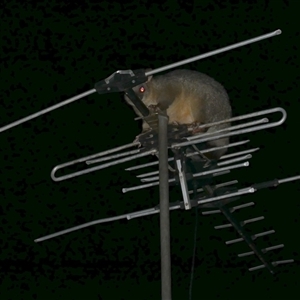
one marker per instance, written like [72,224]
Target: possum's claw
[153,108]
[175,123]
[136,140]
[142,136]
[175,126]
[194,127]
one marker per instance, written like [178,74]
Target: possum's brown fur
[187,97]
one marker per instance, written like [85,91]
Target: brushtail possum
[187,97]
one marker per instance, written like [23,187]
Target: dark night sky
[52,52]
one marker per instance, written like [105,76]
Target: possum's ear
[149,77]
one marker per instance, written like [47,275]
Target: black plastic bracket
[120,81]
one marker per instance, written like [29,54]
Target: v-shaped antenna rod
[123,80]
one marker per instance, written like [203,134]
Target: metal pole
[164,208]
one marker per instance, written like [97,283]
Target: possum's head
[140,90]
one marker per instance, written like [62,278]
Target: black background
[52,52]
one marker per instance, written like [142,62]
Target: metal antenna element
[115,81]
[211,53]
[164,204]
[46,110]
[212,136]
[210,196]
[173,206]
[188,141]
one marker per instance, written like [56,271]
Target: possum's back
[188,96]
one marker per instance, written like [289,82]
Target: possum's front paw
[175,126]
[153,108]
[195,127]
[146,134]
[137,140]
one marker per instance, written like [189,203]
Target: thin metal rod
[65,231]
[265,250]
[96,168]
[218,185]
[148,174]
[272,248]
[238,193]
[275,264]
[234,160]
[215,135]
[191,154]
[239,153]
[46,110]
[226,162]
[164,208]
[262,234]
[245,254]
[231,128]
[245,164]
[233,209]
[252,220]
[150,211]
[227,48]
[146,165]
[204,151]
[287,261]
[289,179]
[93,161]
[143,186]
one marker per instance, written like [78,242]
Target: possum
[187,97]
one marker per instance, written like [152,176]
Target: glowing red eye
[142,89]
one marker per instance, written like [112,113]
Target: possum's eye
[142,89]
